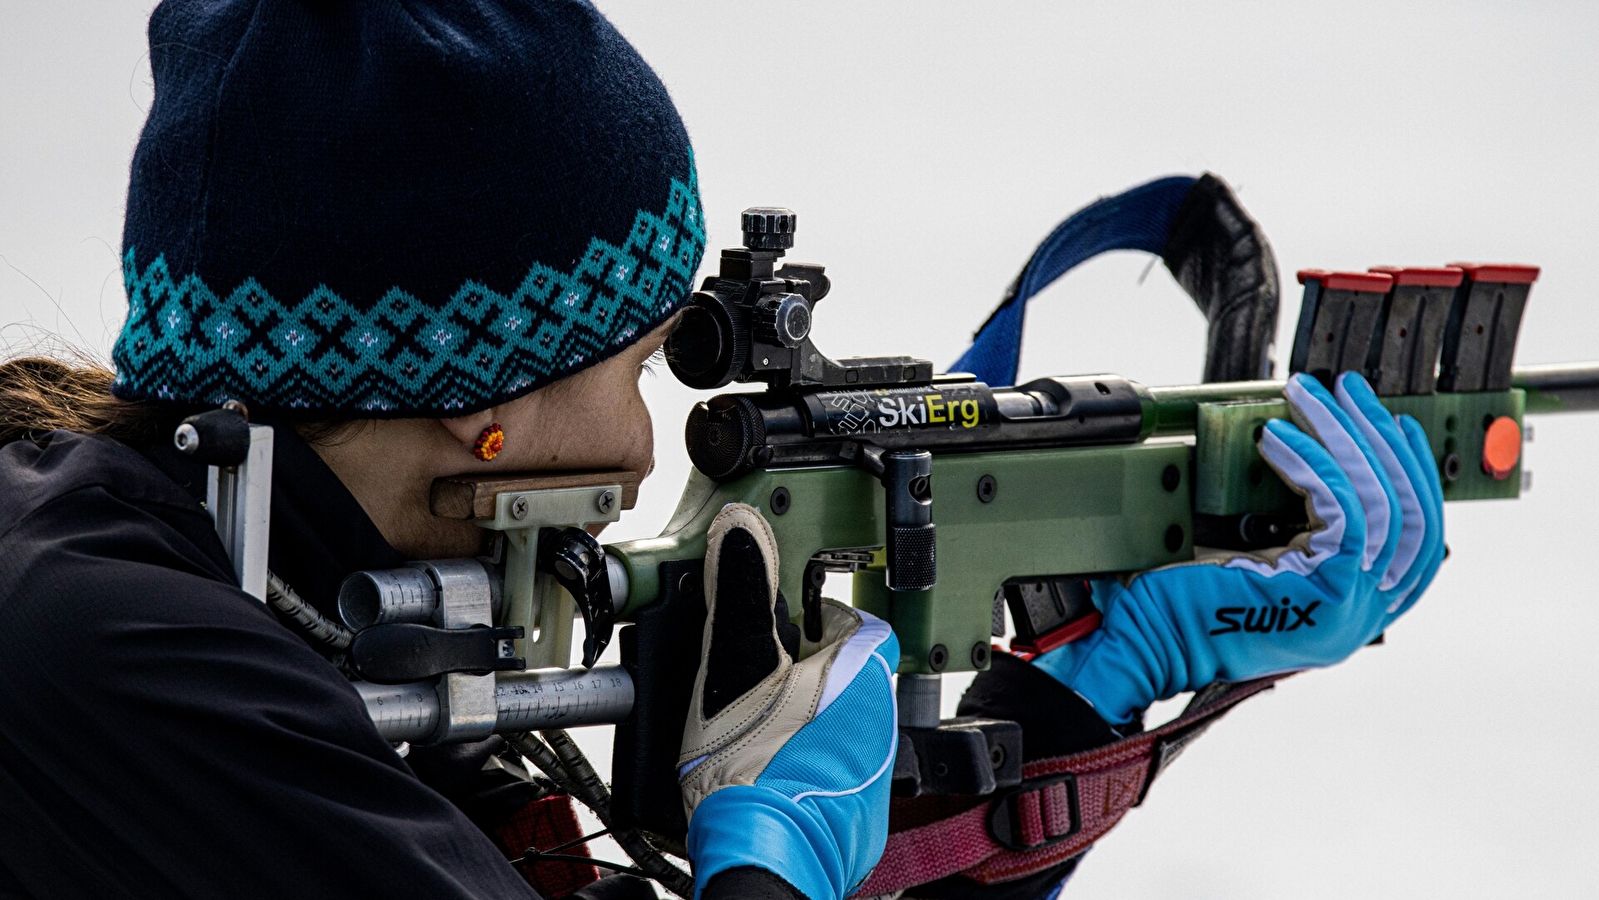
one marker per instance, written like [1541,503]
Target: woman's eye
[655,359]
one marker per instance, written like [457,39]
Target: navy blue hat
[381,208]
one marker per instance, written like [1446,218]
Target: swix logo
[928,409]
[1265,619]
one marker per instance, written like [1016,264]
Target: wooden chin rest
[468,497]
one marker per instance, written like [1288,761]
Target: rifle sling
[1063,806]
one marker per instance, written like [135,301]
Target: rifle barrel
[1557,388]
[1560,387]
[1176,408]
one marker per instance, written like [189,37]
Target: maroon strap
[1063,805]
[546,823]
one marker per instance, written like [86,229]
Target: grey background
[928,147]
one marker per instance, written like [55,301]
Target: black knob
[769,227]
[721,435]
[783,319]
[711,343]
[218,437]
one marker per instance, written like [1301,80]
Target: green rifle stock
[951,502]
[1006,514]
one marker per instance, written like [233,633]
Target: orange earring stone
[489,443]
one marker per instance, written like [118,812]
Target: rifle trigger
[577,563]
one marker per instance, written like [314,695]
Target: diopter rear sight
[752,321]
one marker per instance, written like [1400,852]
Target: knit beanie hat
[385,208]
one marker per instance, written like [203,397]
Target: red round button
[1501,447]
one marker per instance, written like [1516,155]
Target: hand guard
[1375,504]
[785,765]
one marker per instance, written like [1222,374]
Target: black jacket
[161,735]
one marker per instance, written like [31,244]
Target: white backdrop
[928,147]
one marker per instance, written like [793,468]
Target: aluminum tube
[1564,387]
[918,698]
[1568,387]
[562,698]
[402,712]
[525,701]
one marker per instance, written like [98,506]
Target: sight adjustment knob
[783,319]
[769,227]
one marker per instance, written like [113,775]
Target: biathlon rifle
[951,502]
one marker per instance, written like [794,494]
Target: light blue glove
[1376,507]
[787,771]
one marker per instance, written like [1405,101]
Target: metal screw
[1451,467]
[519,508]
[987,487]
[606,501]
[937,658]
[979,654]
[186,438]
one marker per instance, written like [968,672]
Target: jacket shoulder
[83,503]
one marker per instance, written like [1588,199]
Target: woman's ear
[467,428]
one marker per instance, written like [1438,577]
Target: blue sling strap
[1209,243]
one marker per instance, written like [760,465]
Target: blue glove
[785,765]
[1376,508]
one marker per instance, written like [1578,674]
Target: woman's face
[595,419]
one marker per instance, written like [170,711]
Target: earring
[489,443]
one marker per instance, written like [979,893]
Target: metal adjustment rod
[238,485]
[458,647]
[522,701]
[908,509]
[429,619]
[436,669]
[967,755]
[412,593]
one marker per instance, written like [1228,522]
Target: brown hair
[40,394]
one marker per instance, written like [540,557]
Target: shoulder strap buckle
[1037,813]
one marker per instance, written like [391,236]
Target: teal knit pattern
[403,356]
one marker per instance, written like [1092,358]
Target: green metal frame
[1060,511]
[1055,512]
[1231,478]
